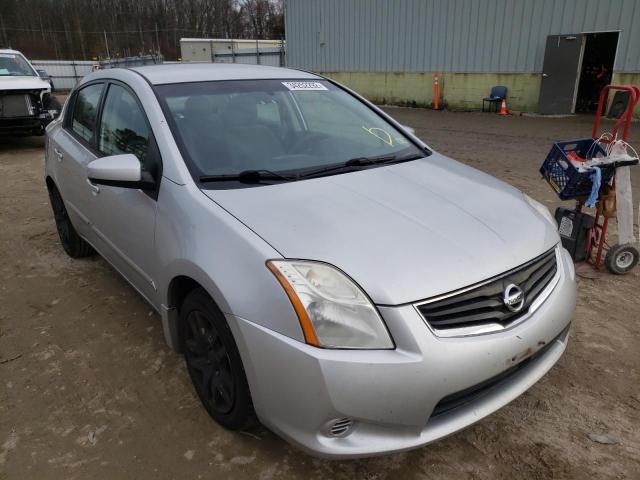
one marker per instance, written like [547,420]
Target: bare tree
[78,28]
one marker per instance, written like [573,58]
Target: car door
[123,219]
[73,149]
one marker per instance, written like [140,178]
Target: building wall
[388,49]
[448,36]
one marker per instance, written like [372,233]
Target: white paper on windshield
[304,86]
[7,55]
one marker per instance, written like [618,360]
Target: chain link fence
[64,74]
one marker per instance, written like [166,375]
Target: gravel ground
[88,388]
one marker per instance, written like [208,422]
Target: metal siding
[456,35]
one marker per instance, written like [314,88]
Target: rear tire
[621,259]
[214,362]
[73,244]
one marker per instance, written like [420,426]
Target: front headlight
[333,311]
[544,211]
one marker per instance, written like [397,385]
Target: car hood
[404,232]
[23,83]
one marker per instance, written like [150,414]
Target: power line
[173,29]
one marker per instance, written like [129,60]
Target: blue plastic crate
[563,177]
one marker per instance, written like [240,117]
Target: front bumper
[391,394]
[28,124]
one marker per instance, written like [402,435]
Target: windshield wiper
[354,163]
[257,176]
[247,176]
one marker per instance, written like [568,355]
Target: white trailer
[226,50]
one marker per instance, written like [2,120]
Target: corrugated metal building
[389,49]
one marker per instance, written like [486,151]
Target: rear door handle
[95,189]
[58,153]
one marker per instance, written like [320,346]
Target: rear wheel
[621,259]
[73,244]
[214,363]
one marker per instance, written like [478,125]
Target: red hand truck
[619,258]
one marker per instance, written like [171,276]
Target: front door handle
[58,153]
[95,189]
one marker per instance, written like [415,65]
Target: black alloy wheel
[209,362]
[214,363]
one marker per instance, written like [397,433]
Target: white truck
[26,103]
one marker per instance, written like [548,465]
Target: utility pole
[4,33]
[158,39]
[257,52]
[141,38]
[41,26]
[106,43]
[55,45]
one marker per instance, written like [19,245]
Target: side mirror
[409,129]
[119,171]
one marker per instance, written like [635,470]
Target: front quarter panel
[197,238]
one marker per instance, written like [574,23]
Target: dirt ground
[89,389]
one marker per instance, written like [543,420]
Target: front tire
[214,362]
[73,244]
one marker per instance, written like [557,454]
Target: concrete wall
[458,91]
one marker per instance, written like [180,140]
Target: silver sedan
[322,269]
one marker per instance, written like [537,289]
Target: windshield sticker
[7,55]
[381,134]
[304,86]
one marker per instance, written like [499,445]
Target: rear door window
[85,111]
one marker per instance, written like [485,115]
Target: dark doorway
[597,69]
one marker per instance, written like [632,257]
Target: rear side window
[85,111]
[124,127]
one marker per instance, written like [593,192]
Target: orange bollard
[436,92]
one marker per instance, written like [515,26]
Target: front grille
[15,106]
[484,304]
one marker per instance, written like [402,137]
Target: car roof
[203,72]
[8,50]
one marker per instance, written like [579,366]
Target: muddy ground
[88,388]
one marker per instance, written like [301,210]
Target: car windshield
[13,65]
[284,128]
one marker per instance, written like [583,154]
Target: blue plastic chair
[497,94]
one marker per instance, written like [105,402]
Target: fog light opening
[340,427]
